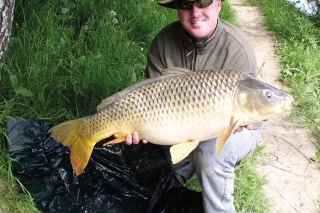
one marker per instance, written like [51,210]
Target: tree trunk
[6,16]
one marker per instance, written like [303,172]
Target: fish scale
[181,108]
[187,102]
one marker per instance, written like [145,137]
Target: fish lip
[287,107]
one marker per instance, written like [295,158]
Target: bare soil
[293,179]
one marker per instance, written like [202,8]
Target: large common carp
[180,108]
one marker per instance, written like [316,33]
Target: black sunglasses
[187,5]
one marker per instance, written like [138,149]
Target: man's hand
[249,127]
[132,138]
[240,128]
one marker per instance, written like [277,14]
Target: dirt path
[293,180]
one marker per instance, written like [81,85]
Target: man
[202,41]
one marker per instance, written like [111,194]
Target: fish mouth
[287,106]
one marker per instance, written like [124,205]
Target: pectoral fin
[180,151]
[225,135]
[119,139]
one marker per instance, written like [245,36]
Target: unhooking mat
[118,178]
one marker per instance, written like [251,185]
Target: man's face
[200,23]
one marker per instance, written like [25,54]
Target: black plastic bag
[171,196]
[118,178]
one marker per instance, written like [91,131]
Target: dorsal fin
[166,73]
[174,71]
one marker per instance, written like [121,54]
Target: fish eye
[268,94]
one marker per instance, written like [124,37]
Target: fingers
[249,127]
[237,129]
[133,138]
[128,140]
[240,128]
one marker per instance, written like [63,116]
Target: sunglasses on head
[187,5]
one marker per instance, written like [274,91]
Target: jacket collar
[203,47]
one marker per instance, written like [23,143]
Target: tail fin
[80,146]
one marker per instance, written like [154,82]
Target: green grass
[249,196]
[65,56]
[14,198]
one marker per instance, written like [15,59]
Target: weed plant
[298,40]
[65,56]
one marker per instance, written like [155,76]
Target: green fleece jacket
[228,48]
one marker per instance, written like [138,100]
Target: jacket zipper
[194,59]
[194,55]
